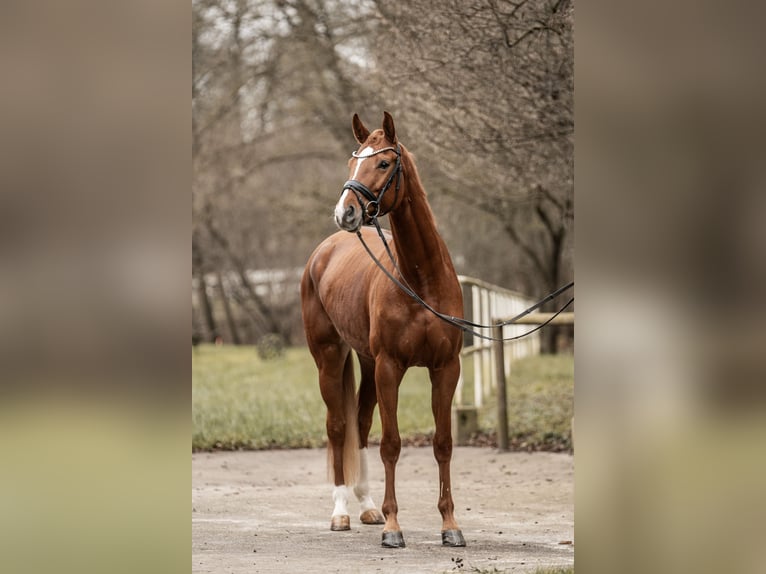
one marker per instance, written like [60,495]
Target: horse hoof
[340,523]
[452,538]
[393,540]
[372,516]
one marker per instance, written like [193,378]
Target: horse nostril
[350,212]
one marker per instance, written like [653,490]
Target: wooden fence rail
[483,301]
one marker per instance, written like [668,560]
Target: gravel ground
[269,511]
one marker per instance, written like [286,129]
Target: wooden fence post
[502,404]
[498,348]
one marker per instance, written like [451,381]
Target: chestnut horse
[348,304]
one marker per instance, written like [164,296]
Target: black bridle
[360,190]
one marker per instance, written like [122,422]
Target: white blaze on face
[363,155]
[339,209]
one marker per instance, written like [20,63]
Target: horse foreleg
[388,376]
[443,384]
[369,513]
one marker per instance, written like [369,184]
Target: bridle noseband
[360,190]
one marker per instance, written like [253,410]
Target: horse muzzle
[348,214]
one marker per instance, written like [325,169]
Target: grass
[540,393]
[240,401]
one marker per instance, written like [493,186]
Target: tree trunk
[271,322]
[261,307]
[207,310]
[552,334]
[198,267]
[227,311]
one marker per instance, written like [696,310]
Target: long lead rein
[458,322]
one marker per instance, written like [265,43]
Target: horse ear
[361,133]
[388,127]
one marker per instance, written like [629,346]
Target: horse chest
[419,336]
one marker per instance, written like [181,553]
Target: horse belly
[351,323]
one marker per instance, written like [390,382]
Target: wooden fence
[483,303]
[488,305]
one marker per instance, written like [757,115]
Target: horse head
[372,189]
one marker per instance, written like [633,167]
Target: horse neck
[420,251]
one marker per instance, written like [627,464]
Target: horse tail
[351,443]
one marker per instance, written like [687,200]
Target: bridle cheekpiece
[360,190]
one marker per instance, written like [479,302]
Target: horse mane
[417,193]
[416,188]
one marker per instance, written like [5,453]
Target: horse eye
[383,164]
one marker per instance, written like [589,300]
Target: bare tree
[482,90]
[265,75]
[198,272]
[489,87]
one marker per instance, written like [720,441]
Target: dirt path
[269,511]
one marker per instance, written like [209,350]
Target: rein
[462,324]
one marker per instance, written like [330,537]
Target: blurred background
[482,94]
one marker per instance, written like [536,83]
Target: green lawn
[540,393]
[242,401]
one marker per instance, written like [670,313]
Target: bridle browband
[360,190]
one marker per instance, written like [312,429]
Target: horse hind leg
[369,513]
[342,434]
